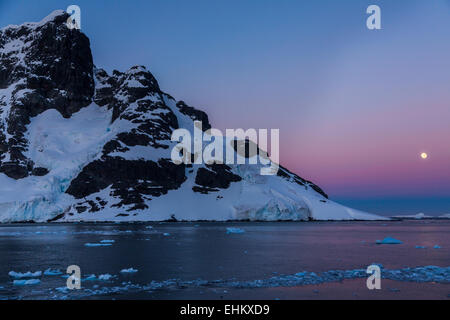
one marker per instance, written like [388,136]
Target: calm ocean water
[283,260]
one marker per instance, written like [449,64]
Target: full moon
[424,155]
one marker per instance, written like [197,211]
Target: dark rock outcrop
[215,176]
[45,67]
[130,181]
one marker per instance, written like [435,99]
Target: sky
[355,107]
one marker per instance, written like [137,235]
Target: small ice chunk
[91,277]
[105,277]
[50,272]
[29,274]
[234,230]
[437,247]
[148,227]
[26,282]
[166,234]
[97,244]
[301,274]
[420,247]
[389,240]
[107,241]
[129,270]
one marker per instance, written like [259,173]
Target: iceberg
[389,240]
[235,230]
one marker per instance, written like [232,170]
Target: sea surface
[208,260]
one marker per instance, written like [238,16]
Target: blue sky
[355,107]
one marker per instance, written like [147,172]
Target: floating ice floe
[91,277]
[421,247]
[62,289]
[26,282]
[105,277]
[29,274]
[97,244]
[235,230]
[50,272]
[166,234]
[417,274]
[107,241]
[389,240]
[129,270]
[437,247]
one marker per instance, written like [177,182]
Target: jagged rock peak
[43,66]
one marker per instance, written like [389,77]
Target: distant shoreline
[392,219]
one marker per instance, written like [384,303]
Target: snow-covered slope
[79,144]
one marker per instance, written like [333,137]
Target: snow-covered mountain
[79,144]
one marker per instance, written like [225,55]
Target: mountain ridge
[84,145]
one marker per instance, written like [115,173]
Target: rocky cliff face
[43,66]
[79,144]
